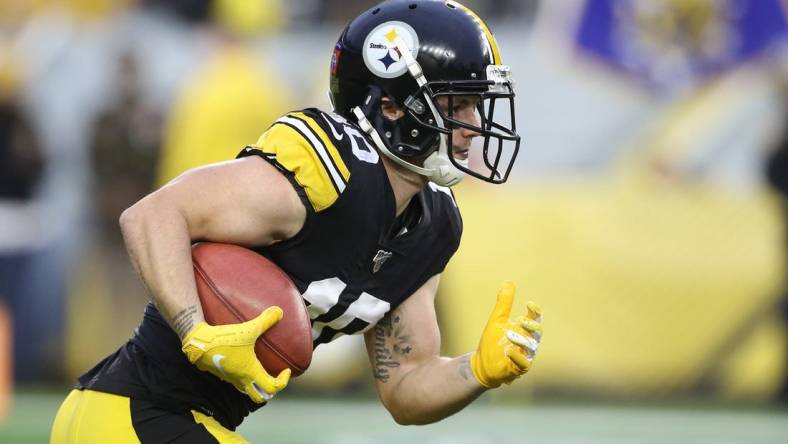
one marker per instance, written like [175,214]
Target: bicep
[245,201]
[405,338]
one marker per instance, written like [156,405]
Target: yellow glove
[507,349]
[227,351]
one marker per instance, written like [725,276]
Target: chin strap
[438,167]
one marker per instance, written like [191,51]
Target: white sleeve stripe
[315,136]
[317,144]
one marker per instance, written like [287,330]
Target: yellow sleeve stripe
[327,143]
[317,145]
[492,44]
[294,153]
[293,150]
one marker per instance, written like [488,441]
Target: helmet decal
[381,54]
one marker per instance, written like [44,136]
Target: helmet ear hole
[390,110]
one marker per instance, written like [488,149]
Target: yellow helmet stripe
[491,42]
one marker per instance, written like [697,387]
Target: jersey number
[324,295]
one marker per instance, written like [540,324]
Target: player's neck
[404,183]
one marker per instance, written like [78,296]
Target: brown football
[236,284]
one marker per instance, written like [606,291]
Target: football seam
[234,311]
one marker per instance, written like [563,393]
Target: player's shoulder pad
[299,143]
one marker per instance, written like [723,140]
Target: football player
[354,205]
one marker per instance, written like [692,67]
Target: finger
[263,387]
[268,318]
[533,328]
[534,311]
[253,385]
[517,357]
[257,394]
[274,385]
[527,342]
[245,389]
[503,306]
[281,380]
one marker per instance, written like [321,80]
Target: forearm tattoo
[183,321]
[391,343]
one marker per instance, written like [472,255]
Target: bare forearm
[242,202]
[159,246]
[415,383]
[434,390]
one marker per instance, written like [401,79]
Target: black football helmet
[415,53]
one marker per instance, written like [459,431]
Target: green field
[333,421]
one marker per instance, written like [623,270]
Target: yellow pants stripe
[91,417]
[223,435]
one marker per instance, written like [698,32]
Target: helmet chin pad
[444,173]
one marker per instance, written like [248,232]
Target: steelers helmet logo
[381,54]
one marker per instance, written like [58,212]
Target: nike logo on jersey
[217,362]
[337,135]
[380,258]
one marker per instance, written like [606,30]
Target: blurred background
[646,213]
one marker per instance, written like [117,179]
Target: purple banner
[667,44]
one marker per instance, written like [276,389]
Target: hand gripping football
[236,284]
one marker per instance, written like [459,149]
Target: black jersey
[347,262]
[353,261]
